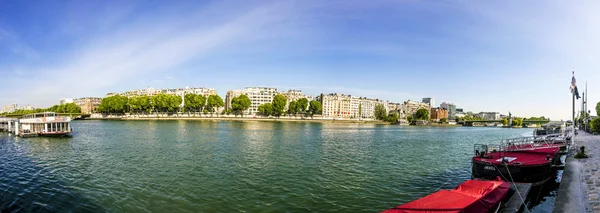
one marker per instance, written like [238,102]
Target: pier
[580,186]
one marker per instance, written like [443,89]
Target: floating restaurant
[38,124]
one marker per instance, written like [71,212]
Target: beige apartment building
[335,105]
[347,106]
[411,107]
[229,97]
[88,105]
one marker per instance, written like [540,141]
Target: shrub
[596,125]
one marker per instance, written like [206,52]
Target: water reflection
[252,166]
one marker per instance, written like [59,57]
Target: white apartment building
[27,107]
[178,91]
[257,96]
[65,101]
[488,115]
[335,105]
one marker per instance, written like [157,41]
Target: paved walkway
[580,186]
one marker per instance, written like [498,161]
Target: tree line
[278,107]
[196,103]
[161,103]
[60,108]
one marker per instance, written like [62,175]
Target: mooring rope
[515,185]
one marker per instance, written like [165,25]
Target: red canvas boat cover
[470,196]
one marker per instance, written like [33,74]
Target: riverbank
[222,118]
[580,186]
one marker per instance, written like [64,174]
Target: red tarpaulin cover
[470,196]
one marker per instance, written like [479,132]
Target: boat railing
[514,144]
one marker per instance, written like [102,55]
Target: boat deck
[515,203]
[517,157]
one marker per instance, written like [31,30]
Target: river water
[227,166]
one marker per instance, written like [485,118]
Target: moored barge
[513,161]
[470,196]
[44,124]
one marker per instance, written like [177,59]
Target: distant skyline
[481,55]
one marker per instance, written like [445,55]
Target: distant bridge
[470,123]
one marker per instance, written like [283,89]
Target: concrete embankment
[579,190]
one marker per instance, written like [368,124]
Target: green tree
[360,110]
[504,121]
[517,122]
[380,112]
[240,104]
[293,108]
[595,124]
[190,103]
[443,120]
[214,101]
[393,117]
[410,118]
[598,109]
[166,103]
[302,105]
[279,102]
[265,109]
[422,114]
[114,104]
[314,108]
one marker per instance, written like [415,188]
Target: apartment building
[9,108]
[488,115]
[88,105]
[335,105]
[346,106]
[430,101]
[65,101]
[451,109]
[257,96]
[411,107]
[438,113]
[229,97]
[177,91]
[397,108]
[27,107]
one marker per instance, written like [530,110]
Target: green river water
[227,166]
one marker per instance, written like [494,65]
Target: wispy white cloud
[16,45]
[151,49]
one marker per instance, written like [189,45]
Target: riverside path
[580,185]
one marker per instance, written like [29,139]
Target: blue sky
[481,55]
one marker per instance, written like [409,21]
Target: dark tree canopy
[380,112]
[302,105]
[314,108]
[422,114]
[265,109]
[240,104]
[214,101]
[279,102]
